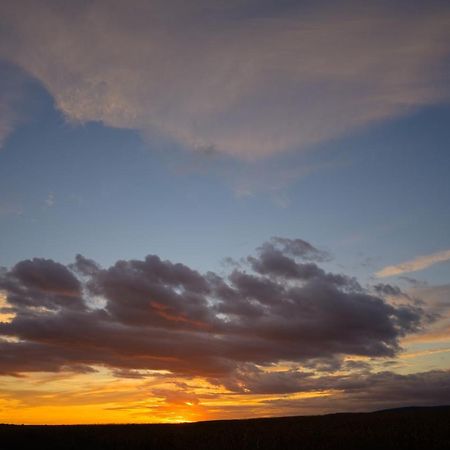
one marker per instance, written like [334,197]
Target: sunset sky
[223,208]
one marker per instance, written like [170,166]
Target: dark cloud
[299,248]
[157,315]
[284,258]
[364,391]
[85,266]
[47,276]
[412,281]
[41,283]
[154,293]
[387,289]
[357,389]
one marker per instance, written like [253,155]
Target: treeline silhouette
[407,428]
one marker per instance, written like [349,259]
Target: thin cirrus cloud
[224,75]
[414,265]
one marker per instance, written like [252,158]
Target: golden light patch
[5,317]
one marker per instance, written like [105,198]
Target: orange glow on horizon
[102,398]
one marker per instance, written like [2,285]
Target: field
[409,428]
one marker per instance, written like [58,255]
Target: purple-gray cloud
[155,314]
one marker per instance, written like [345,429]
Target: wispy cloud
[10,208]
[414,265]
[437,299]
[225,76]
[50,200]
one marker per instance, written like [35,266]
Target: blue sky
[380,193]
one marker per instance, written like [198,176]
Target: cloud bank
[248,79]
[158,315]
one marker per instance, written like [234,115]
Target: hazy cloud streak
[227,76]
[414,265]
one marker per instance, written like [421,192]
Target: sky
[223,209]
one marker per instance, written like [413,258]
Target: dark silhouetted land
[407,428]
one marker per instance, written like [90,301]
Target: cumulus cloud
[414,265]
[41,283]
[242,78]
[159,315]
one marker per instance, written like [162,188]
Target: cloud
[152,314]
[50,200]
[238,77]
[10,209]
[277,332]
[166,398]
[11,93]
[361,389]
[372,391]
[437,299]
[414,265]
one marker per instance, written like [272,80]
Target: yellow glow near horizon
[104,396]
[94,398]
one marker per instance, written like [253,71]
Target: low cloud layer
[370,392]
[159,315]
[245,78]
[373,390]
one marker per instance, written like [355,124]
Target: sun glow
[101,397]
